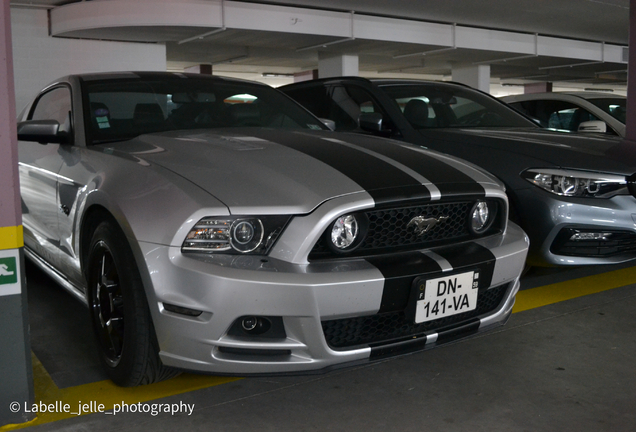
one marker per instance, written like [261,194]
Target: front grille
[389,327]
[618,243]
[388,230]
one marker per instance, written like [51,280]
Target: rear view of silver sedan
[214,225]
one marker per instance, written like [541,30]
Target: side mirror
[42,131]
[593,126]
[371,122]
[329,123]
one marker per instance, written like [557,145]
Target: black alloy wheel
[107,306]
[119,311]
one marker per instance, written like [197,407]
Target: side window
[348,102]
[525,107]
[315,99]
[54,105]
[568,116]
[418,111]
[556,114]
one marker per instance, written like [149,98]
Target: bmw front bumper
[550,221]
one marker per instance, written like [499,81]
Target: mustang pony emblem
[423,224]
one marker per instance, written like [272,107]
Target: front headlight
[235,234]
[480,217]
[573,183]
[344,231]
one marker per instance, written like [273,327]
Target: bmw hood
[279,171]
[550,148]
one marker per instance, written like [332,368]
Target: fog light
[249,323]
[344,231]
[590,236]
[255,325]
[265,327]
[480,218]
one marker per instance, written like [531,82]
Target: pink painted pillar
[16,374]
[10,214]
[630,132]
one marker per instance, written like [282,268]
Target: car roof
[156,74]
[577,94]
[373,81]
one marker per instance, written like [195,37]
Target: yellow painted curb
[558,292]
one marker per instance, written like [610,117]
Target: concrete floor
[563,367]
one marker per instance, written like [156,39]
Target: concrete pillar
[630,132]
[306,75]
[203,69]
[16,375]
[541,87]
[476,76]
[336,66]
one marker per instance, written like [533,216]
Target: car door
[39,168]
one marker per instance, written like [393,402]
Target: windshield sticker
[314,127]
[101,117]
[102,122]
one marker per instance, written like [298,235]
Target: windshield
[436,105]
[616,107]
[121,109]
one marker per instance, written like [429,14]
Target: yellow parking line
[554,293]
[108,394]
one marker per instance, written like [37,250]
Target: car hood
[266,171]
[550,148]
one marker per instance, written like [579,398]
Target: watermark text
[90,407]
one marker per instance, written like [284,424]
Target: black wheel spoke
[108,305]
[115,330]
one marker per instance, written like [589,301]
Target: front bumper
[306,297]
[546,216]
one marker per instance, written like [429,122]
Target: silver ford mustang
[214,225]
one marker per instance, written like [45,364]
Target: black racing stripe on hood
[375,175]
[442,175]
[403,194]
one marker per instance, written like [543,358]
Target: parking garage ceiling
[602,23]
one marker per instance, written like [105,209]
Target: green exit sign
[8,271]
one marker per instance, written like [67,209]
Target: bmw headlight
[234,234]
[574,183]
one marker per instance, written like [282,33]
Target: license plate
[445,296]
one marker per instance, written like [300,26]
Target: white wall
[39,58]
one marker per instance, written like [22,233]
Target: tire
[119,311]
